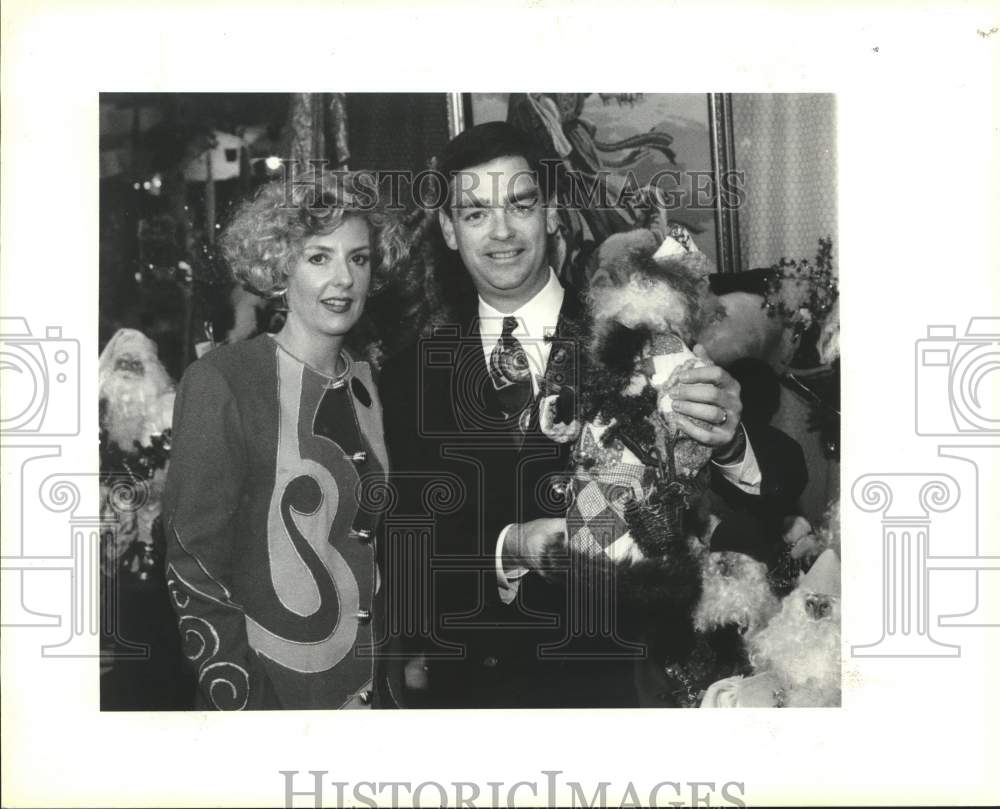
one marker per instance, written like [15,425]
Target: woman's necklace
[336,379]
[339,375]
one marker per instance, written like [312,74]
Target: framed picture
[680,142]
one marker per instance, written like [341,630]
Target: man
[460,413]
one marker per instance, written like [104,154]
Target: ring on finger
[725,417]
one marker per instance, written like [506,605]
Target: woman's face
[328,284]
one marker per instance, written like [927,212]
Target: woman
[277,441]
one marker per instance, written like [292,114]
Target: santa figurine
[736,602]
[633,521]
[136,406]
[796,657]
[636,473]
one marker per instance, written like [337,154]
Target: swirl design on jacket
[226,684]
[312,505]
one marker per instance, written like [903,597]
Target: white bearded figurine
[136,392]
[736,602]
[137,402]
[646,304]
[797,655]
[734,592]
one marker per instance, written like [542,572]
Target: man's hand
[709,393]
[535,545]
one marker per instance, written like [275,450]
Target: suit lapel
[560,369]
[561,366]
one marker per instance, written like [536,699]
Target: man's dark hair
[485,142]
[449,290]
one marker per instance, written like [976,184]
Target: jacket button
[491,662]
[363,616]
[362,534]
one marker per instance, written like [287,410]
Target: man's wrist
[734,451]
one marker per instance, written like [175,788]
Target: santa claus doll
[136,407]
[796,657]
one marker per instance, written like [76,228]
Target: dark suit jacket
[462,473]
[753,524]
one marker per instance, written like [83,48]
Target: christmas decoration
[632,526]
[220,161]
[803,294]
[736,601]
[796,657]
[636,473]
[137,398]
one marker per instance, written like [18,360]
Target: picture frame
[687,135]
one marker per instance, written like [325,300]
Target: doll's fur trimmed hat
[630,287]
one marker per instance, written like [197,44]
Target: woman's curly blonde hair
[265,235]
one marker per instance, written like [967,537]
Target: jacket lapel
[561,366]
[560,370]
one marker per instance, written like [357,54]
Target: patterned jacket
[271,514]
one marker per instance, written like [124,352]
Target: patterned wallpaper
[395,130]
[786,144]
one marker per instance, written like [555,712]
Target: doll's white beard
[641,302]
[135,405]
[804,652]
[743,597]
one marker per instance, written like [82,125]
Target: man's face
[499,225]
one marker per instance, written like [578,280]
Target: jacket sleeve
[783,478]
[402,560]
[201,498]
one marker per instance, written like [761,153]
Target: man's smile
[505,255]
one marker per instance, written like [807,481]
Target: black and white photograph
[482,426]
[381,428]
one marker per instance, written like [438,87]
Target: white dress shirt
[537,320]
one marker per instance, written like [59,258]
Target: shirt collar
[534,317]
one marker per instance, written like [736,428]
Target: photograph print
[469,400]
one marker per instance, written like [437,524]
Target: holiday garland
[802,292]
[140,463]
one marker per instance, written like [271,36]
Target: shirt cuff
[507,581]
[745,474]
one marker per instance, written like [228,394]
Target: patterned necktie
[510,370]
